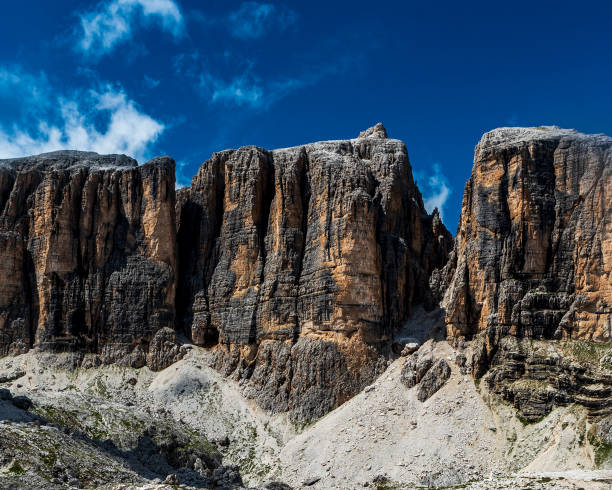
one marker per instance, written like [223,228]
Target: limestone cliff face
[300,264]
[87,254]
[533,259]
[533,250]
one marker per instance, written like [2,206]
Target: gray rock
[433,380]
[376,131]
[172,479]
[311,481]
[415,368]
[274,485]
[12,376]
[227,478]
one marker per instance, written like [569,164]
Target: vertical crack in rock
[199,211]
[264,228]
[305,213]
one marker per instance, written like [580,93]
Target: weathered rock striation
[533,259]
[88,256]
[533,250]
[300,264]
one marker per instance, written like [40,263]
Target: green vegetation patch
[387,485]
[526,421]
[601,449]
[16,469]
[586,352]
[57,416]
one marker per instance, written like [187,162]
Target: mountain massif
[302,268]
[297,265]
[88,256]
[139,322]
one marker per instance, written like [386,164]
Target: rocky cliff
[533,260]
[300,265]
[88,256]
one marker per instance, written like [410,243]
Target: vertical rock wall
[530,278]
[533,252]
[88,253]
[300,264]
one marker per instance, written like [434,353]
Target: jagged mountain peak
[376,131]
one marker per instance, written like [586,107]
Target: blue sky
[186,78]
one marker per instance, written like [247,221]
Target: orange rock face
[88,254]
[301,264]
[533,260]
[533,252]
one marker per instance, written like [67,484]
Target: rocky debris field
[188,426]
[97,427]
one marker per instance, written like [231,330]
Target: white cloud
[247,90]
[438,191]
[112,22]
[74,123]
[254,19]
[241,90]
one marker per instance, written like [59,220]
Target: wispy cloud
[241,90]
[245,88]
[74,122]
[253,20]
[436,190]
[113,22]
[248,90]
[29,89]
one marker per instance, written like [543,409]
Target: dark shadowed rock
[433,379]
[227,478]
[22,402]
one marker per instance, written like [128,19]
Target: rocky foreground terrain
[295,318]
[126,428]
